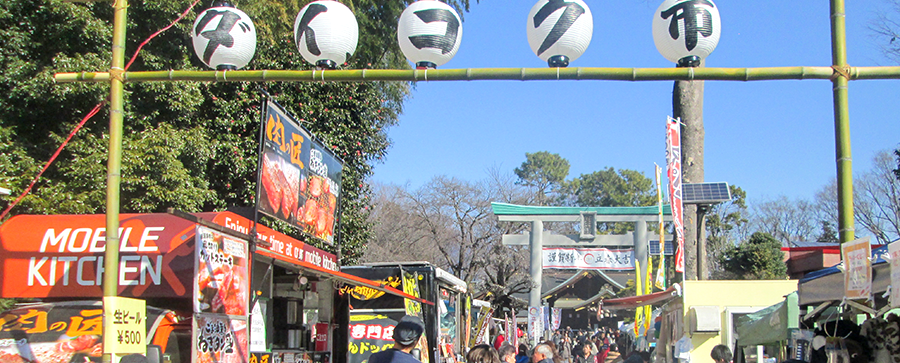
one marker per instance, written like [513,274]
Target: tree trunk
[687,103]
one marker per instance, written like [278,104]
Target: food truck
[373,314]
[212,293]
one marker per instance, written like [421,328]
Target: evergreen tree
[759,258]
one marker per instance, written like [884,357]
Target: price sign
[124,325]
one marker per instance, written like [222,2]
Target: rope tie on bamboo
[117,73]
[120,4]
[225,75]
[557,73]
[840,71]
[426,74]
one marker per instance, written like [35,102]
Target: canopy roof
[771,324]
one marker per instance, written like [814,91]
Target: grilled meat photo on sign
[222,284]
[281,183]
[317,214]
[61,351]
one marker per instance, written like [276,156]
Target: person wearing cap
[406,335]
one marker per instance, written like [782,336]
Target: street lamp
[686,31]
[224,37]
[429,33]
[326,33]
[559,32]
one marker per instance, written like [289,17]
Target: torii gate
[588,217]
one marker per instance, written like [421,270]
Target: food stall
[442,307]
[214,295]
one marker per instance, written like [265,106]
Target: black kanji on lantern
[303,28]
[690,12]
[565,21]
[443,42]
[221,35]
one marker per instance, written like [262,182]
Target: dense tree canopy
[758,258]
[188,145]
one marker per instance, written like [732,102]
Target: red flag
[673,164]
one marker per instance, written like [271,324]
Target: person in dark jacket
[406,336]
[523,357]
[583,354]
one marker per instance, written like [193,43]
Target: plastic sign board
[299,178]
[124,325]
[221,281]
[858,269]
[894,251]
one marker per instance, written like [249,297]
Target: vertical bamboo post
[844,161]
[114,164]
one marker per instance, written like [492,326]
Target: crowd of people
[564,347]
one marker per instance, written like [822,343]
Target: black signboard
[299,178]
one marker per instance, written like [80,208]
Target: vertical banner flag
[648,289]
[411,286]
[638,313]
[555,315]
[858,275]
[545,317]
[661,271]
[515,328]
[894,252]
[510,329]
[673,165]
[534,324]
[299,177]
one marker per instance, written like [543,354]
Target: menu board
[299,178]
[858,269]
[221,282]
[219,339]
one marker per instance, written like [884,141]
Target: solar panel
[654,248]
[705,193]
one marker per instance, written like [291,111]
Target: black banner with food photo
[299,178]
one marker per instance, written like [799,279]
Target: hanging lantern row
[430,32]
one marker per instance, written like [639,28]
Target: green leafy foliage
[543,171]
[759,258]
[188,145]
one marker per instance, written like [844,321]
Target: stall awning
[769,325]
[828,284]
[340,276]
[638,301]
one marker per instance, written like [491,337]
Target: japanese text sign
[299,178]
[858,269]
[125,325]
[588,258]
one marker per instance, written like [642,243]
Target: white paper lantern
[559,31]
[686,31]
[429,33]
[224,37]
[326,33]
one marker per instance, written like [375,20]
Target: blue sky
[771,138]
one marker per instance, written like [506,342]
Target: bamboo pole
[473,74]
[842,121]
[114,164]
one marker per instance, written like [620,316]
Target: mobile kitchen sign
[299,178]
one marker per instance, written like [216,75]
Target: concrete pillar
[537,263]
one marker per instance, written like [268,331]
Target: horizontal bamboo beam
[473,74]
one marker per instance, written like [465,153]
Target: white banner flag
[588,258]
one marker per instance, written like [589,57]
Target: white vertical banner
[535,324]
[894,251]
[555,316]
[545,317]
